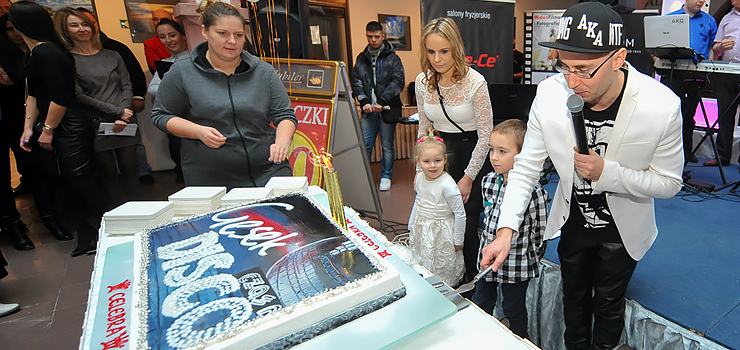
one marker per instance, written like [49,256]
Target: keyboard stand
[710,131]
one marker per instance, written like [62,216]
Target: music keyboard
[703,66]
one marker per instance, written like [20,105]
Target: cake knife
[470,285]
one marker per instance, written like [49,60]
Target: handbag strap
[442,104]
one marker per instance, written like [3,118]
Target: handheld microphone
[575,105]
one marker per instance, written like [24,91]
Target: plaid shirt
[529,247]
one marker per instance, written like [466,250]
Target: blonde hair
[211,10]
[60,25]
[447,29]
[430,139]
[513,128]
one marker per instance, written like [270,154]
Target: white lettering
[582,25]
[182,333]
[564,28]
[177,303]
[615,34]
[598,41]
[590,32]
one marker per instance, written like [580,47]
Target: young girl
[437,221]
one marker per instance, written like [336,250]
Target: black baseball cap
[588,27]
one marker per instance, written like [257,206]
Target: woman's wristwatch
[48,127]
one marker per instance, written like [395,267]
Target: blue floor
[691,275]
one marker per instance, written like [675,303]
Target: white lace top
[467,103]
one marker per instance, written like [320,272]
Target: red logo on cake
[116,329]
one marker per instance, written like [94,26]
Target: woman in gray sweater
[230,108]
[104,91]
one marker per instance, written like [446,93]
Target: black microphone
[575,104]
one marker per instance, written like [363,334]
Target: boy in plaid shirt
[527,249]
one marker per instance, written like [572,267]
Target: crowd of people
[64,79]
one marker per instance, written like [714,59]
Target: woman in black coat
[59,137]
[12,90]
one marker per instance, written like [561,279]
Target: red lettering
[116,321]
[116,303]
[121,286]
[384,253]
[116,314]
[116,343]
[481,58]
[491,61]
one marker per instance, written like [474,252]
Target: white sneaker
[6,309]
[385,184]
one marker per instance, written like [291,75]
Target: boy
[526,250]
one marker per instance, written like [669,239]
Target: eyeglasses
[583,74]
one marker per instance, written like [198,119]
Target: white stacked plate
[131,217]
[197,199]
[284,184]
[247,194]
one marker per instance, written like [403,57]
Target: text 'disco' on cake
[269,275]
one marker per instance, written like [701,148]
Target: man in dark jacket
[377,80]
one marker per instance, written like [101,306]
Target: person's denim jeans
[372,124]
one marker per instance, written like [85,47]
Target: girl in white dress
[437,221]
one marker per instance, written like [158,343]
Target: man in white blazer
[603,205]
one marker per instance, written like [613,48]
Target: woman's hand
[119,125]
[465,185]
[45,139]
[25,139]
[127,114]
[278,152]
[211,137]
[458,248]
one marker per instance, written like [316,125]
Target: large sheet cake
[269,275]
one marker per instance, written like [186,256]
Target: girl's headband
[424,139]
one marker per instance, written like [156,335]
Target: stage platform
[685,293]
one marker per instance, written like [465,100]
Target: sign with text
[312,135]
[310,77]
[487,30]
[111,329]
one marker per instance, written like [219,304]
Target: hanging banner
[487,30]
[312,135]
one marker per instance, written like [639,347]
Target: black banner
[634,34]
[487,30]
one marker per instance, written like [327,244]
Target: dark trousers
[727,89]
[42,186]
[514,302]
[689,90]
[118,175]
[175,144]
[459,150]
[595,278]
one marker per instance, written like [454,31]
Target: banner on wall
[487,30]
[542,26]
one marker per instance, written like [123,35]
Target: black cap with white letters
[588,27]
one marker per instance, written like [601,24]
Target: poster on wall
[312,135]
[140,16]
[487,30]
[539,62]
[54,5]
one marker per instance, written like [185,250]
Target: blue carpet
[691,275]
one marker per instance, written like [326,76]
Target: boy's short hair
[373,26]
[514,128]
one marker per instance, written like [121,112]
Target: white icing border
[303,314]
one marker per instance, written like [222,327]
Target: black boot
[17,232]
[86,241]
[55,227]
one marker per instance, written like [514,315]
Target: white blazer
[644,159]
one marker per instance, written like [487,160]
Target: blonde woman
[104,91]
[453,99]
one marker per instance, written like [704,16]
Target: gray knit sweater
[241,106]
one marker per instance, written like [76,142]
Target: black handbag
[394,113]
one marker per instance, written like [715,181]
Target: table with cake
[267,268]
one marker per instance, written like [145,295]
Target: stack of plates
[197,199]
[131,217]
[284,184]
[241,195]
